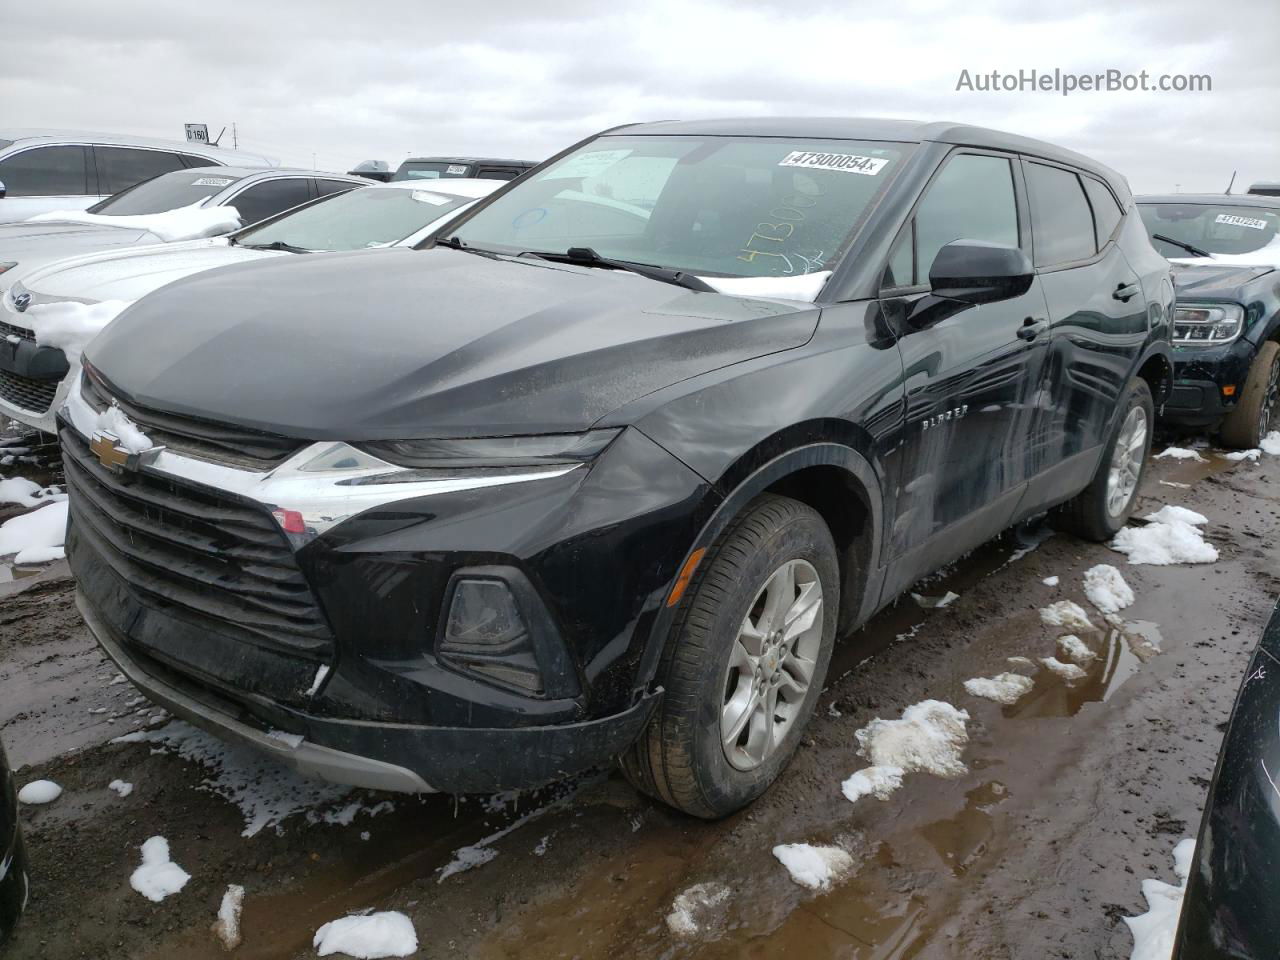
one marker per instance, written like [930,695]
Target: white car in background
[43,170]
[47,318]
[182,205]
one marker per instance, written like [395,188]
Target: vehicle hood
[133,273]
[407,344]
[1211,281]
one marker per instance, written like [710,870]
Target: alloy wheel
[1267,408]
[771,664]
[1126,462]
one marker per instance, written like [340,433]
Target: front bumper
[388,756]
[1199,374]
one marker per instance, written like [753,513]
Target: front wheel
[1251,420]
[1104,506]
[744,664]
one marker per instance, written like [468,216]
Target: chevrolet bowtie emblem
[106,447]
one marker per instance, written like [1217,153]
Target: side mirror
[3,190]
[974,272]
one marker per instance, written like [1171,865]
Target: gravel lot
[1073,796]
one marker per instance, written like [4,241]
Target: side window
[326,187]
[191,160]
[1106,212]
[1060,216]
[46,172]
[121,167]
[264,200]
[972,199]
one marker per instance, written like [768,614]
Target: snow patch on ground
[1051,581]
[694,909]
[158,877]
[266,792]
[813,867]
[1075,649]
[1006,688]
[1271,443]
[120,787]
[1170,536]
[227,927]
[25,493]
[935,603]
[1153,931]
[929,738]
[1066,613]
[1180,453]
[1106,589]
[879,782]
[1238,455]
[1020,661]
[39,791]
[69,325]
[184,223]
[35,537]
[1067,671]
[481,852]
[804,287]
[369,937]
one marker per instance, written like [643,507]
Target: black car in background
[1229,909]
[1227,274]
[432,168]
[13,861]
[607,470]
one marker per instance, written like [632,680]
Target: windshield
[366,217]
[169,191]
[720,206]
[1214,228]
[431,170]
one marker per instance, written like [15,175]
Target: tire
[1095,514]
[680,759]
[1255,414]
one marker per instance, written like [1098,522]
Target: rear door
[1098,321]
[120,168]
[969,378]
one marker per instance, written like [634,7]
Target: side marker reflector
[686,574]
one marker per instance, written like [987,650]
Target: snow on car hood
[399,343]
[1268,256]
[133,273]
[184,223]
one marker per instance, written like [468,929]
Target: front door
[969,379]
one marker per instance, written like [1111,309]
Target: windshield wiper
[586,257]
[276,245]
[1185,246]
[455,242]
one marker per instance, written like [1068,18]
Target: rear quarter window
[1106,212]
[1061,220]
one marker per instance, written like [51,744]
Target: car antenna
[1232,183]
[218,142]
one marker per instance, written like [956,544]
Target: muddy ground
[1073,795]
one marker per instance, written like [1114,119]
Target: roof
[124,139]
[1214,199]
[870,128]
[510,163]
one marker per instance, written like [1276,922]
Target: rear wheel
[1255,414]
[1104,506]
[744,663]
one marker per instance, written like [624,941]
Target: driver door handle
[1031,328]
[1126,292]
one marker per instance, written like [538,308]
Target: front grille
[25,393]
[203,557]
[11,330]
[217,442]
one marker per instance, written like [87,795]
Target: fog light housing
[486,635]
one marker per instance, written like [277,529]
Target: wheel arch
[834,478]
[1155,366]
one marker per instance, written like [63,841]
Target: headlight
[492,453]
[1207,324]
[7,265]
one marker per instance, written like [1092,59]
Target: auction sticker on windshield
[422,196]
[1235,221]
[212,181]
[843,162]
[590,164]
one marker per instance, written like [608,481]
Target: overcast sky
[352,81]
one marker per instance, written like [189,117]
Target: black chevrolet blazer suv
[1226,329]
[605,469]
